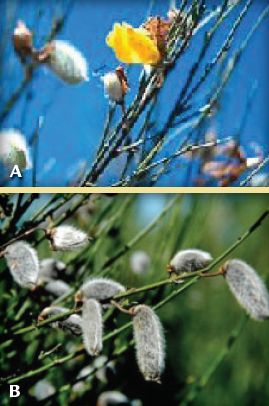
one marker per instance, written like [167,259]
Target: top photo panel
[134,93]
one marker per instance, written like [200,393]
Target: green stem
[202,382]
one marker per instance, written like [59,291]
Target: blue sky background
[74,115]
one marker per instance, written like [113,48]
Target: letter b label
[14,391]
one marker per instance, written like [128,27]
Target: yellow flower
[133,45]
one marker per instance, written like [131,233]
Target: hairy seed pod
[50,269]
[57,288]
[71,324]
[23,263]
[43,389]
[248,288]
[116,85]
[190,260]
[113,398]
[67,238]
[68,63]
[14,149]
[100,289]
[140,262]
[92,326]
[149,342]
[105,370]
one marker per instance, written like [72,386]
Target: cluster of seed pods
[97,294]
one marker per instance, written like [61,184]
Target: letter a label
[16,171]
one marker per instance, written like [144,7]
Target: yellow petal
[117,40]
[142,48]
[133,45]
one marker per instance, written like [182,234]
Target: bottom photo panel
[134,299]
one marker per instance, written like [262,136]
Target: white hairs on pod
[14,149]
[112,398]
[68,63]
[71,324]
[113,86]
[43,389]
[57,288]
[92,326]
[50,269]
[190,260]
[248,288]
[140,262]
[23,264]
[99,289]
[149,342]
[67,238]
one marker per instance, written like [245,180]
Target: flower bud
[71,324]
[92,326]
[50,269]
[67,62]
[100,289]
[248,288]
[22,41]
[23,264]
[57,288]
[149,342]
[189,261]
[14,149]
[67,238]
[116,84]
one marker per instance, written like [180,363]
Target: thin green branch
[202,382]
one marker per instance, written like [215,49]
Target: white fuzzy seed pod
[43,389]
[113,87]
[248,288]
[23,264]
[104,369]
[50,269]
[71,325]
[68,63]
[92,326]
[112,398]
[14,149]
[149,342]
[67,238]
[99,289]
[57,288]
[190,260]
[140,262]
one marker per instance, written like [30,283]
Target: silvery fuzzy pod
[43,389]
[112,398]
[57,288]
[71,324]
[23,263]
[50,269]
[14,149]
[105,370]
[140,262]
[248,288]
[67,238]
[113,86]
[190,260]
[99,289]
[149,342]
[92,326]
[68,63]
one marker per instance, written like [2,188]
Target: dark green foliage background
[197,323]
